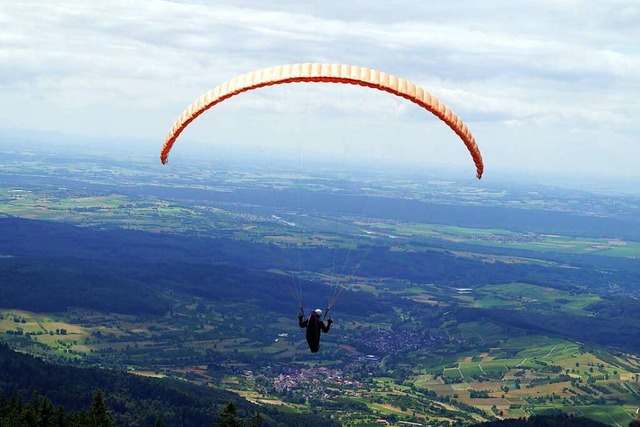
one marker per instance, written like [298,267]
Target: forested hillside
[132,400]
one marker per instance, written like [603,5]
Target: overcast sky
[548,86]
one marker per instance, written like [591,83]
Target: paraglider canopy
[326,73]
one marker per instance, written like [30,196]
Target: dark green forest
[29,385]
[552,420]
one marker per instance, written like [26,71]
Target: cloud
[547,67]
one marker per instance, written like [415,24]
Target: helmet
[318,312]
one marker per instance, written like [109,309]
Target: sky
[545,86]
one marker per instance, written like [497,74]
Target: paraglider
[323,73]
[314,325]
[326,73]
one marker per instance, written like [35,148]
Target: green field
[523,295]
[515,240]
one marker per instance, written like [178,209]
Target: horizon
[147,152]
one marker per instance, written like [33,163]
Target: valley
[456,304]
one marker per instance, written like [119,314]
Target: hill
[133,400]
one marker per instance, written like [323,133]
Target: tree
[99,413]
[256,420]
[227,417]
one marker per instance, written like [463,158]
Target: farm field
[515,240]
